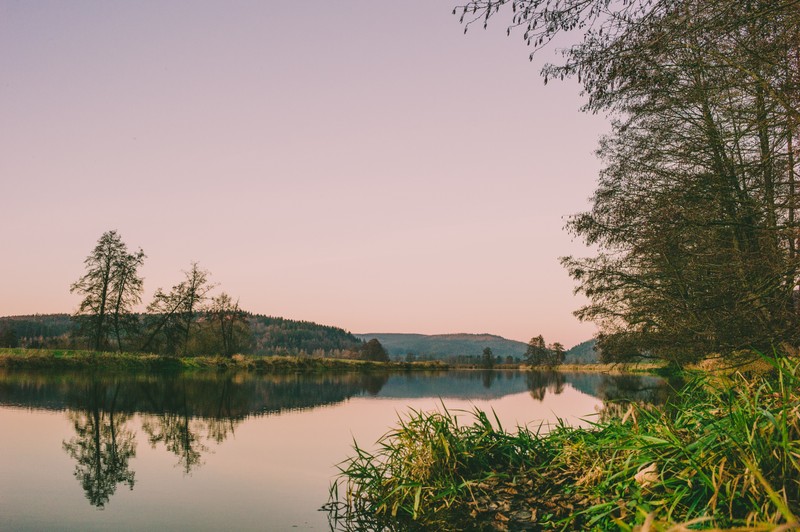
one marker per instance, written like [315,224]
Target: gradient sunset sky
[358,163]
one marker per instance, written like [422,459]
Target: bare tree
[172,315]
[110,286]
[127,288]
[231,320]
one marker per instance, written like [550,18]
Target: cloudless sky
[357,163]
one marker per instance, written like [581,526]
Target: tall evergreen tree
[557,354]
[374,350]
[487,358]
[537,354]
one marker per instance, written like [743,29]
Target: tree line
[695,215]
[537,355]
[188,319]
[180,321]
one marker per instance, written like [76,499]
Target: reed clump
[724,453]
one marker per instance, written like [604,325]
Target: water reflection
[103,445]
[541,382]
[203,395]
[613,390]
[186,414]
[487,378]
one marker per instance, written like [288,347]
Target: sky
[357,163]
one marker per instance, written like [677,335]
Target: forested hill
[273,335]
[463,346]
[583,353]
[269,335]
[439,346]
[36,330]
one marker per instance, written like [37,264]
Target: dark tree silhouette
[487,358]
[103,445]
[110,287]
[373,350]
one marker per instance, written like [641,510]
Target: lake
[205,451]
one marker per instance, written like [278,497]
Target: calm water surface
[237,452]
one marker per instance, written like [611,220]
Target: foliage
[253,334]
[172,316]
[487,358]
[539,354]
[583,353]
[607,56]
[8,335]
[273,335]
[536,353]
[695,214]
[374,351]
[557,353]
[234,331]
[450,347]
[42,331]
[424,467]
[722,454]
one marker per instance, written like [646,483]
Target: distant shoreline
[57,359]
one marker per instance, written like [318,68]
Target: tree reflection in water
[103,445]
[191,412]
[186,414]
[182,412]
[541,382]
[616,391]
[619,392]
[487,378]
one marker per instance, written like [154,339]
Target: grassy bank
[723,454]
[609,369]
[612,369]
[58,359]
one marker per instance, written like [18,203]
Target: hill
[269,335]
[583,353]
[36,330]
[275,335]
[444,346]
[272,334]
[461,346]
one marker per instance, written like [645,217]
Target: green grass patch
[724,453]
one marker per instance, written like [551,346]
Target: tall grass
[724,453]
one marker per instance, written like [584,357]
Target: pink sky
[355,163]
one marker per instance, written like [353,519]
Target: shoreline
[72,359]
[67,359]
[720,455]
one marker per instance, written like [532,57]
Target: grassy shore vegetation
[18,358]
[723,454]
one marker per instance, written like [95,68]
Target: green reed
[724,453]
